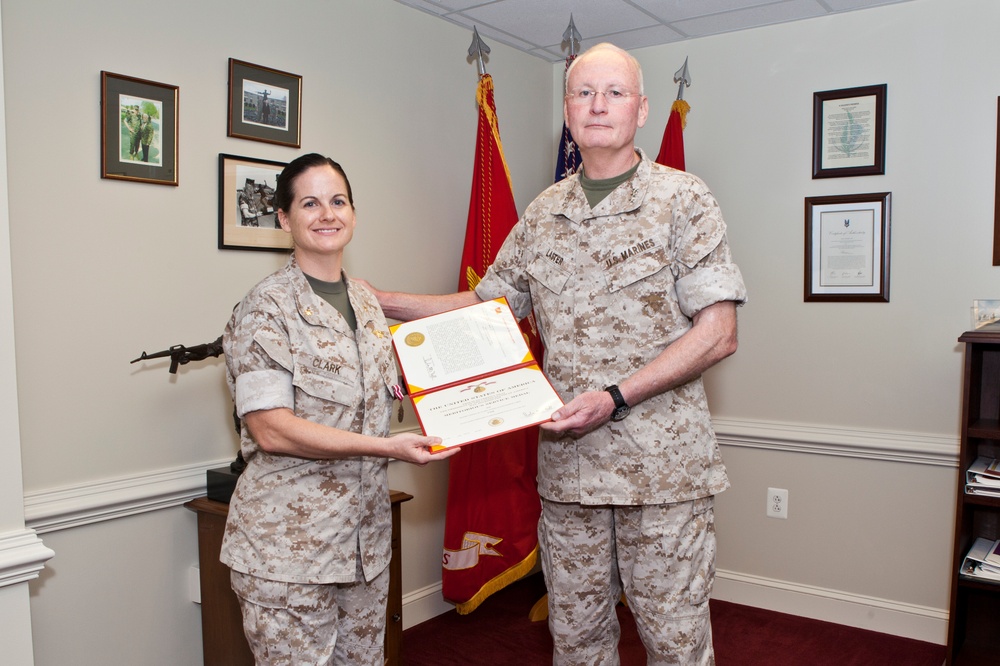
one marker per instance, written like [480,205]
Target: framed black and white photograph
[265,104]
[138,130]
[849,132]
[248,218]
[847,248]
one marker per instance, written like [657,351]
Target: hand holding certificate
[471,375]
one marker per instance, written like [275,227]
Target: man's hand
[367,285]
[584,413]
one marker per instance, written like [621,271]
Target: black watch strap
[621,407]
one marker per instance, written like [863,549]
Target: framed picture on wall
[248,218]
[138,130]
[996,195]
[847,248]
[264,104]
[849,132]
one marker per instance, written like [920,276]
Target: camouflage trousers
[292,624]
[662,556]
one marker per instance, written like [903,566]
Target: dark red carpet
[499,633]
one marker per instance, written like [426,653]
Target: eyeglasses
[582,96]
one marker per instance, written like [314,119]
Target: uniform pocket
[319,379]
[703,524]
[543,271]
[636,268]
[260,591]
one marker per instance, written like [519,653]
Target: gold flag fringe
[682,108]
[484,88]
[515,573]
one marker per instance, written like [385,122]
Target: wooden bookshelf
[974,614]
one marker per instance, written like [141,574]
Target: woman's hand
[416,449]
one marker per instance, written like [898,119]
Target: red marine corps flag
[672,147]
[490,534]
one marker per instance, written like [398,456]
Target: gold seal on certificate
[415,339]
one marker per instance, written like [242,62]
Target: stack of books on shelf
[983,477]
[983,560]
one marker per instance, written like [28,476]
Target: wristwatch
[621,407]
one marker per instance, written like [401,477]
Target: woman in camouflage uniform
[310,366]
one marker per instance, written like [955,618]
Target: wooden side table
[223,641]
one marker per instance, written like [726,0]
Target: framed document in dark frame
[849,132]
[264,104]
[138,130]
[847,248]
[996,210]
[248,218]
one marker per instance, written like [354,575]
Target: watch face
[620,413]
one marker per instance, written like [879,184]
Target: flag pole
[491,517]
[568,157]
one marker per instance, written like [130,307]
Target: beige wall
[852,407]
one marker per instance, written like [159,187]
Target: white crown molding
[885,445]
[22,556]
[73,506]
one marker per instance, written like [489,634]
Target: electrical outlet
[194,584]
[777,503]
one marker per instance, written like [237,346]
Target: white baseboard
[853,610]
[888,617]
[423,604]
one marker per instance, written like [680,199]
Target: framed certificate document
[847,248]
[471,375]
[849,132]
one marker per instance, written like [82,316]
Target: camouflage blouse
[611,288]
[296,519]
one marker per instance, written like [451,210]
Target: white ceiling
[537,26]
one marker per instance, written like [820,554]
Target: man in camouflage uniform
[630,276]
[310,365]
[249,205]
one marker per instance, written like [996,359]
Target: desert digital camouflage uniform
[611,287]
[300,521]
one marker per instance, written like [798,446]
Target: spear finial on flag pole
[478,49]
[683,78]
[572,36]
[672,147]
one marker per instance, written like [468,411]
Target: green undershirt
[335,293]
[597,190]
